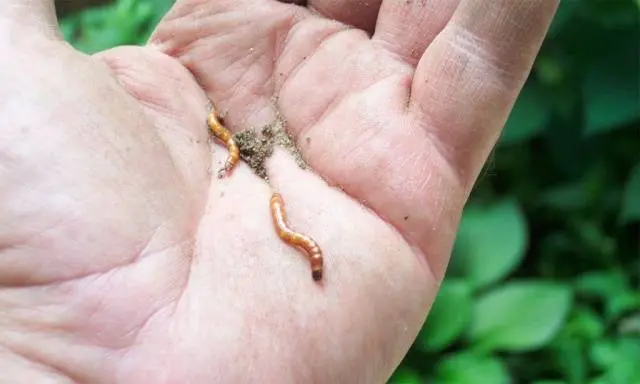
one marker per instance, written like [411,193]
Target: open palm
[123,260]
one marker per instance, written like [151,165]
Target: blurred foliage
[545,276]
[544,282]
[124,22]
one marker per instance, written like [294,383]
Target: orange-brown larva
[226,137]
[314,253]
[289,236]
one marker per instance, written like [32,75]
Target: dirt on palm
[256,145]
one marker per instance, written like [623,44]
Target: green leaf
[603,354]
[529,116]
[68,26]
[550,71]
[468,368]
[619,359]
[566,197]
[405,375]
[611,93]
[566,11]
[449,316]
[602,284]
[630,211]
[119,23]
[519,316]
[570,358]
[584,323]
[612,13]
[549,382]
[612,288]
[600,380]
[492,241]
[626,302]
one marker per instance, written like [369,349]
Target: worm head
[316,267]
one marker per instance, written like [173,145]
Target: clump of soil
[256,145]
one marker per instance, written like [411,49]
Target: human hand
[123,260]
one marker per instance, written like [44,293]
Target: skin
[123,259]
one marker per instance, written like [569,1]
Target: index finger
[470,76]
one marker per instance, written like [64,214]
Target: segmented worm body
[314,254]
[286,234]
[226,137]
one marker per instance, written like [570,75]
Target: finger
[36,16]
[358,13]
[470,76]
[406,28]
[231,61]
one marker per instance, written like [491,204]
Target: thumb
[28,18]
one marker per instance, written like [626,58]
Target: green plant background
[544,281]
